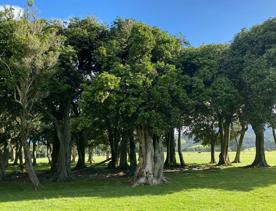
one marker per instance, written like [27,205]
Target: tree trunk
[274,134]
[34,152]
[151,159]
[113,140]
[239,145]
[225,137]
[170,158]
[123,165]
[27,155]
[20,155]
[63,171]
[16,157]
[73,154]
[81,145]
[54,154]
[90,154]
[182,163]
[132,154]
[49,150]
[260,160]
[4,158]
[213,159]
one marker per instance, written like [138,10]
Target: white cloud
[17,11]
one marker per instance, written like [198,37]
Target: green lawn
[195,189]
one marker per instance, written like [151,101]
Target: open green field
[195,188]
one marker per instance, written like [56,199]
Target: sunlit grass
[214,189]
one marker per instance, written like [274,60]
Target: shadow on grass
[230,179]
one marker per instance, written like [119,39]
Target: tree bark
[63,171]
[4,158]
[239,145]
[113,141]
[123,165]
[16,157]
[34,152]
[170,158]
[132,154]
[260,160]
[274,134]
[225,137]
[54,154]
[49,150]
[213,159]
[151,159]
[81,145]
[180,154]
[27,155]
[73,153]
[90,154]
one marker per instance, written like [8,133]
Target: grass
[195,189]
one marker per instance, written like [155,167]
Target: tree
[35,52]
[251,68]
[213,96]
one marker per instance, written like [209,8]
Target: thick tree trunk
[81,145]
[170,158]
[260,160]
[225,137]
[63,171]
[34,152]
[123,165]
[54,154]
[27,155]
[151,159]
[239,145]
[132,154]
[180,154]
[213,159]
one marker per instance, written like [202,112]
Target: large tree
[251,67]
[34,52]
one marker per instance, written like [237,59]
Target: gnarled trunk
[170,158]
[225,137]
[182,163]
[260,160]
[151,159]
[239,145]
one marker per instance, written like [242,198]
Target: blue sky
[200,21]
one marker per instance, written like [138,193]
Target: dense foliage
[127,88]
